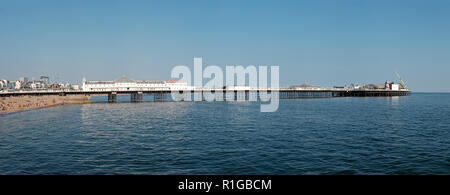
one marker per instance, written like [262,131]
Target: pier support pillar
[240,95]
[136,97]
[112,97]
[159,97]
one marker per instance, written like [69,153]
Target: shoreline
[27,102]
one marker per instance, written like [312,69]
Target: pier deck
[161,95]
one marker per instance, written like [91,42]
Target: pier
[219,94]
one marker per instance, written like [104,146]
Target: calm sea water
[382,135]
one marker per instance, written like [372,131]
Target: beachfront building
[37,85]
[3,84]
[76,87]
[23,80]
[11,84]
[127,84]
[45,80]
[18,85]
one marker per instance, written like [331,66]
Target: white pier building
[127,84]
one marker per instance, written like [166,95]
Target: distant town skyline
[326,43]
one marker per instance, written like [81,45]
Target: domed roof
[304,85]
[124,80]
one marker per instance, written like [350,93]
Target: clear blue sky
[326,43]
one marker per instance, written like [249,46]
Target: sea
[345,135]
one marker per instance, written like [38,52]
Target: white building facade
[127,84]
